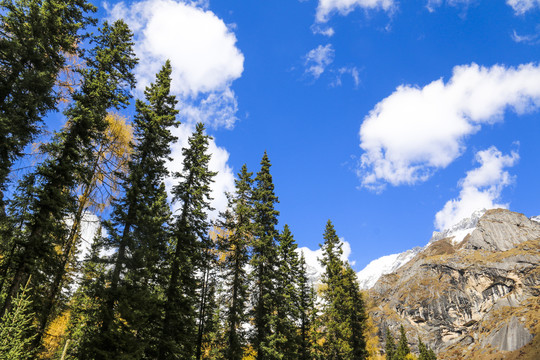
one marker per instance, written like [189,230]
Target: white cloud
[480,189]
[415,131]
[223,181]
[527,39]
[344,7]
[522,6]
[201,48]
[205,61]
[318,59]
[349,70]
[322,30]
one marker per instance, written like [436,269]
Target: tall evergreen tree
[35,36]
[138,230]
[390,347]
[307,310]
[343,313]
[285,338]
[264,262]
[190,236]
[403,345]
[234,243]
[107,81]
[425,352]
[17,329]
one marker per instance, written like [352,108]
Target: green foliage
[264,262]
[343,314]
[35,37]
[390,347]
[234,243]
[17,330]
[403,345]
[307,312]
[189,241]
[425,352]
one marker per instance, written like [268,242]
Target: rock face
[471,300]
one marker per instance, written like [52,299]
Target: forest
[153,283]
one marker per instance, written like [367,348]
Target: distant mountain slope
[478,298]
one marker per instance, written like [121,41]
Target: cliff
[478,298]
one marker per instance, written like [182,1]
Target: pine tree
[307,311]
[390,347]
[35,36]
[425,352]
[264,261]
[343,314]
[17,330]
[86,304]
[190,232]
[403,345]
[234,243]
[138,230]
[106,84]
[286,300]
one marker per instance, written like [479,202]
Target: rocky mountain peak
[463,297]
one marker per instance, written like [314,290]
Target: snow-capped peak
[459,230]
[536,219]
[384,265]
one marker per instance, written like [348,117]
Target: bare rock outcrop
[480,296]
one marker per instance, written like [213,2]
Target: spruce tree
[138,230]
[425,352]
[403,345]
[235,242]
[17,330]
[190,232]
[107,81]
[343,313]
[307,311]
[390,347]
[286,300]
[264,262]
[35,37]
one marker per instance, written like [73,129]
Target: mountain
[472,293]
[368,276]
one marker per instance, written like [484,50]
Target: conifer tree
[390,347]
[190,236]
[234,243]
[286,300]
[138,229]
[425,352]
[264,262]
[403,345]
[343,313]
[35,36]
[307,311]
[106,83]
[17,330]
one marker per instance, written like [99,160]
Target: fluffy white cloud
[415,131]
[318,59]
[522,6]
[480,189]
[205,61]
[200,46]
[224,180]
[344,7]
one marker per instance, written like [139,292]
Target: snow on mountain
[384,265]
[536,219]
[390,263]
[458,231]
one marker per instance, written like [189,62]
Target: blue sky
[391,118]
